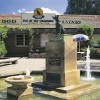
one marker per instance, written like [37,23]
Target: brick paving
[33,65]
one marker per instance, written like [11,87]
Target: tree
[3,50]
[89,7]
[3,31]
[87,30]
[3,34]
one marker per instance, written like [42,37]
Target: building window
[22,40]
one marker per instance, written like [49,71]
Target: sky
[21,6]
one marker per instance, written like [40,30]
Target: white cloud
[29,12]
[45,10]
[23,10]
[19,11]
[13,12]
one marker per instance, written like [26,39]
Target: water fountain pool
[4,96]
[35,96]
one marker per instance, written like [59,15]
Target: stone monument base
[68,92]
[19,92]
[66,78]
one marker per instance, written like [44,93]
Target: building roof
[69,16]
[93,20]
[10,16]
[82,17]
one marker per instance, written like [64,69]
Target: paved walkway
[32,65]
[94,65]
[22,65]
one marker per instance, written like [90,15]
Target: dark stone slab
[44,86]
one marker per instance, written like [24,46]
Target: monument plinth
[61,61]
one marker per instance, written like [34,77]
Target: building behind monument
[17,42]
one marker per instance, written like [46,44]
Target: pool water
[35,96]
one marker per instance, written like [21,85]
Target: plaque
[53,78]
[55,61]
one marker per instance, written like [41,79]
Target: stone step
[71,88]
[87,89]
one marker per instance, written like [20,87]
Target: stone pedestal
[61,61]
[19,91]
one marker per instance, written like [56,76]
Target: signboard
[70,22]
[28,18]
[38,17]
[11,21]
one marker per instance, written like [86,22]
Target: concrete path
[94,65]
[32,65]
[22,65]
[93,62]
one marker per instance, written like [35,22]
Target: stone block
[19,92]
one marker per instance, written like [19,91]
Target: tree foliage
[87,30]
[31,31]
[3,34]
[89,7]
[3,49]
[3,31]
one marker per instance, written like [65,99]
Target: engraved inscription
[55,60]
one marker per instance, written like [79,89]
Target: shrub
[3,50]
[87,30]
